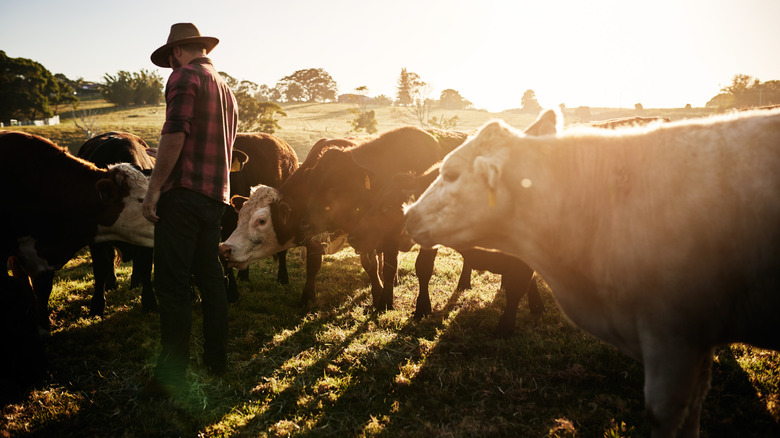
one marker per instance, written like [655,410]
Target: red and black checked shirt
[200,104]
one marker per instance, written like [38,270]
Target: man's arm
[167,155]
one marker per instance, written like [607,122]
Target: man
[188,192]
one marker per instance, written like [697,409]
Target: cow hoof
[420,314]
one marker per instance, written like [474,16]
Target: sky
[598,53]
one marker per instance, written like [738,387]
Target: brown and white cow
[664,241]
[382,226]
[345,182]
[104,150]
[56,204]
[266,159]
[269,221]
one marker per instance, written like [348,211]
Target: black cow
[104,150]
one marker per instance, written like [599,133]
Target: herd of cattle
[662,238]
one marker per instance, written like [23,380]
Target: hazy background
[666,53]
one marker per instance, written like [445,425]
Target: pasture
[340,369]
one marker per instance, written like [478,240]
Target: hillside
[305,122]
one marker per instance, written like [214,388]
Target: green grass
[341,369]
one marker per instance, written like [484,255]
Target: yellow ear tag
[491,198]
[367,182]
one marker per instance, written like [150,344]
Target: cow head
[121,194]
[468,199]
[340,191]
[254,237]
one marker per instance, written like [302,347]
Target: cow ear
[238,161]
[237,201]
[107,190]
[545,124]
[284,212]
[489,169]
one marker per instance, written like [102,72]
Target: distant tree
[529,102]
[769,93]
[118,89]
[28,90]
[451,99]
[253,114]
[365,119]
[310,85]
[562,106]
[639,107]
[144,87]
[419,106]
[268,94]
[721,101]
[688,106]
[382,100]
[147,88]
[404,95]
[744,89]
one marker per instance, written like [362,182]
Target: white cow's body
[664,241]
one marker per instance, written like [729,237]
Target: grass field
[339,369]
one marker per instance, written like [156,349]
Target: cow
[344,182]
[264,159]
[661,240]
[269,222]
[384,222]
[104,150]
[59,204]
[382,226]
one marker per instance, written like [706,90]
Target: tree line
[29,91]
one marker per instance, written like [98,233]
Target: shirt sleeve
[180,95]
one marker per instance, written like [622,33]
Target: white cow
[662,240]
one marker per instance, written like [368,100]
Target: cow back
[116,147]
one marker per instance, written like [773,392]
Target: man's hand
[150,206]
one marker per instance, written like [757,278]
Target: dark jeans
[186,242]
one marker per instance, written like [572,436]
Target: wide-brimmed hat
[181,33]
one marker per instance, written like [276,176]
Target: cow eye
[261,222]
[141,200]
[450,176]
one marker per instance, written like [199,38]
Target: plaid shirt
[200,104]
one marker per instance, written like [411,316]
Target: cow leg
[314,253]
[464,281]
[516,279]
[103,271]
[535,302]
[390,268]
[231,287]
[423,266]
[281,275]
[372,265]
[243,274]
[677,378]
[142,272]
[42,284]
